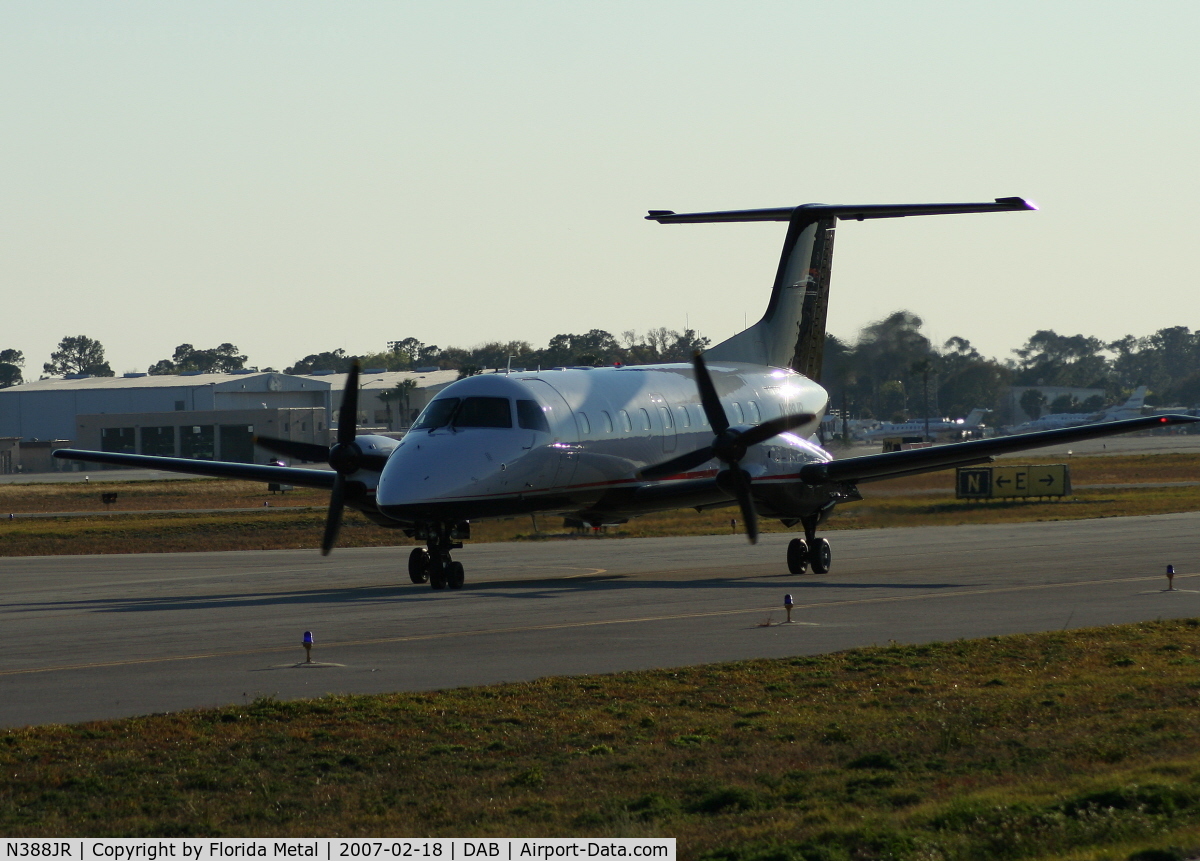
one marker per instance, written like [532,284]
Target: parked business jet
[938,427]
[1130,409]
[601,445]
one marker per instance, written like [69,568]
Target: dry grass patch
[1074,744]
[295,519]
[167,495]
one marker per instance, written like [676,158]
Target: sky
[294,177]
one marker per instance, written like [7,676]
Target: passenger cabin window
[739,418]
[684,417]
[625,422]
[645,418]
[608,425]
[703,415]
[585,427]
[531,416]
[755,415]
[666,417]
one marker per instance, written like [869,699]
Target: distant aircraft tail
[1134,405]
[791,334]
[975,416]
[1137,400]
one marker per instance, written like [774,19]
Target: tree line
[891,371]
[593,348]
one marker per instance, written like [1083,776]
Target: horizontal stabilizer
[791,333]
[841,212]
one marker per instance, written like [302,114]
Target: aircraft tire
[437,574]
[820,556]
[797,556]
[455,575]
[418,565]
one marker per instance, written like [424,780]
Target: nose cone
[448,475]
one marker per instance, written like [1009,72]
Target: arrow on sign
[1003,481]
[1047,480]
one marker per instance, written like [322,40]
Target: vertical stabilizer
[1137,400]
[1130,409]
[791,334]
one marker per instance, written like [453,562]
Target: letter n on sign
[974,483]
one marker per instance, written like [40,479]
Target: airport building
[203,416]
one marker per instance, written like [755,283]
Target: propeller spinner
[729,446]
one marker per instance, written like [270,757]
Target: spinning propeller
[729,446]
[345,456]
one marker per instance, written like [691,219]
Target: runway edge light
[307,642]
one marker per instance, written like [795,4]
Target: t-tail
[791,334]
[975,416]
[1129,409]
[1137,400]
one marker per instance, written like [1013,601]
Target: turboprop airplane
[602,445]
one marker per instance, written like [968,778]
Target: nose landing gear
[432,564]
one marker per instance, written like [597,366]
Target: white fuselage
[919,426]
[601,426]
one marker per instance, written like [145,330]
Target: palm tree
[402,392]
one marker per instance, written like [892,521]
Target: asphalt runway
[87,637]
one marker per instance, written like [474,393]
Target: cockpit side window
[531,416]
[437,413]
[480,412]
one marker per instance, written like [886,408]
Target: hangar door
[237,443]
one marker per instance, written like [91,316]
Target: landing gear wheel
[820,556]
[455,575]
[418,565]
[437,574]
[797,556]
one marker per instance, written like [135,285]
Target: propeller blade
[308,451]
[678,464]
[333,520]
[774,427]
[348,414]
[708,396]
[741,485]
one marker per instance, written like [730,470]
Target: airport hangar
[195,415]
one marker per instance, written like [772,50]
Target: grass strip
[1079,744]
[282,529]
[202,493]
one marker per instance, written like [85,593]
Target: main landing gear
[809,550]
[432,563]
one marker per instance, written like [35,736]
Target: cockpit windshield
[476,412]
[483,413]
[437,414]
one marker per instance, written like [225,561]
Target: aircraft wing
[895,464]
[216,468]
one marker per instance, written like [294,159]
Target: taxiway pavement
[87,637]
